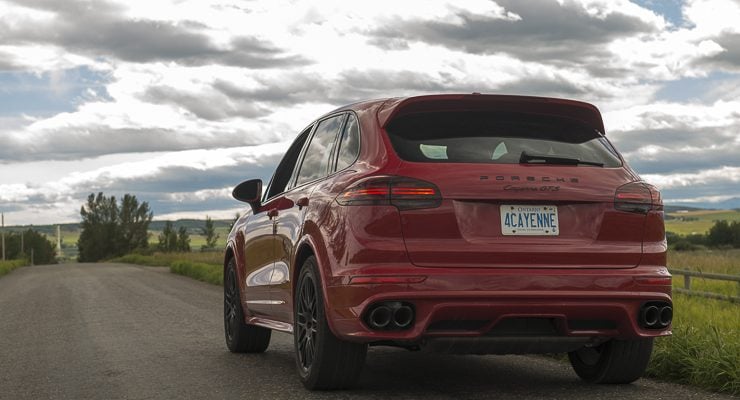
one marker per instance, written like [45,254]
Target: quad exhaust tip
[390,315]
[655,315]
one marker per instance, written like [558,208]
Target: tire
[324,362]
[616,361]
[240,337]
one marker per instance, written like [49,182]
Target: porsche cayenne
[466,224]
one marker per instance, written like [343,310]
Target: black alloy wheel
[306,322]
[324,361]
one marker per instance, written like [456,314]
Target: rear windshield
[475,137]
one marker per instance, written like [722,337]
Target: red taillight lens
[404,193]
[637,197]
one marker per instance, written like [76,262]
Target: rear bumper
[592,304]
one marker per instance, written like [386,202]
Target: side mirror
[249,192]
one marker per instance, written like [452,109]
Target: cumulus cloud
[101,29]
[196,92]
[729,175]
[547,31]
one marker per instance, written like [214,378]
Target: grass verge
[206,267]
[704,350]
[7,266]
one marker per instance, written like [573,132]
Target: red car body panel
[462,276]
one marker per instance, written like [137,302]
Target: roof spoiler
[583,112]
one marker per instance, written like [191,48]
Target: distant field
[717,261]
[71,234]
[699,221]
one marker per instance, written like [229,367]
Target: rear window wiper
[547,159]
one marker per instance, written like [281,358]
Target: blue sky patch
[669,9]
[50,93]
[694,89]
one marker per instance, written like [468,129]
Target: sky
[177,101]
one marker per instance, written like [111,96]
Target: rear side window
[316,161]
[496,138]
[349,145]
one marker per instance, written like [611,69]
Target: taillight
[638,197]
[404,193]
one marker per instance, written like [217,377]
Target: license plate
[529,220]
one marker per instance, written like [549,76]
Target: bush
[206,267]
[44,251]
[7,266]
[209,273]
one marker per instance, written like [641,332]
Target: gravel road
[113,331]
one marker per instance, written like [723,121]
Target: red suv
[478,224]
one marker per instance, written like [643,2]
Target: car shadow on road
[397,373]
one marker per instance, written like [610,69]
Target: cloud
[545,31]
[101,29]
[190,95]
[205,105]
[723,175]
[191,180]
[729,57]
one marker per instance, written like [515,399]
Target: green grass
[7,266]
[206,266]
[704,350]
[697,221]
[717,261]
[714,261]
[209,273]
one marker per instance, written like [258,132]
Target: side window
[316,161]
[349,145]
[285,169]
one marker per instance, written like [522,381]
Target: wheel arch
[233,253]
[306,248]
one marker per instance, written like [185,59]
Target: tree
[183,239]
[209,231]
[171,240]
[134,223]
[167,239]
[110,230]
[99,232]
[44,251]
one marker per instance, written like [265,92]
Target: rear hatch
[518,190]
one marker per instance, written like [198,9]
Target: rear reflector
[638,197]
[404,193]
[654,280]
[368,280]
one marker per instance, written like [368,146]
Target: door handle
[302,202]
[272,213]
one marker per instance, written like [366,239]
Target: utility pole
[22,242]
[59,242]
[3,234]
